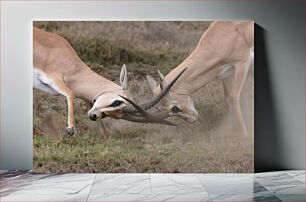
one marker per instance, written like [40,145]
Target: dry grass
[210,145]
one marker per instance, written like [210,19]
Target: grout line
[91,187]
[151,183]
[267,188]
[202,185]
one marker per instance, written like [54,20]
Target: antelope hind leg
[234,95]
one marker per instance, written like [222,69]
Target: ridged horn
[158,118]
[153,101]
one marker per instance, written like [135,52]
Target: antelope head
[174,103]
[109,103]
[116,103]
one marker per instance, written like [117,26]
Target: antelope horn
[163,82]
[138,119]
[158,117]
[153,101]
[137,107]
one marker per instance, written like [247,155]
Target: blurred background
[210,145]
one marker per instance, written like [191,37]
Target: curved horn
[137,107]
[146,117]
[153,101]
[139,119]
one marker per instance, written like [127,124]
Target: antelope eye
[116,103]
[175,109]
[94,100]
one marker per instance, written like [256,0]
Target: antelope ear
[152,83]
[123,78]
[162,80]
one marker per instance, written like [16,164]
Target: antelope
[58,70]
[225,52]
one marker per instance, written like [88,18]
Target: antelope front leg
[103,130]
[59,85]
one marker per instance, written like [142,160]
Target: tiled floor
[273,186]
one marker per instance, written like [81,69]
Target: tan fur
[224,46]
[54,56]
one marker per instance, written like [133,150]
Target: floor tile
[178,198]
[114,198]
[259,189]
[113,184]
[266,198]
[216,184]
[14,181]
[245,198]
[43,198]
[150,197]
[292,197]
[287,186]
[298,175]
[282,184]
[48,184]
[277,175]
[176,184]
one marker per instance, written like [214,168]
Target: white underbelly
[42,82]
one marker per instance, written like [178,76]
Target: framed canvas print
[143,96]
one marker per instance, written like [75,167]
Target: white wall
[279,87]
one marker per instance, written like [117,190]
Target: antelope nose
[93,117]
[194,117]
[193,120]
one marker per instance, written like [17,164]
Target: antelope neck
[87,85]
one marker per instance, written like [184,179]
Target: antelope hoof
[70,131]
[106,141]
